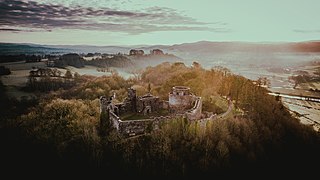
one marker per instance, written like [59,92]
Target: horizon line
[141,45]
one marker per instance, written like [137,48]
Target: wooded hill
[62,134]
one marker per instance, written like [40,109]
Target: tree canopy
[263,138]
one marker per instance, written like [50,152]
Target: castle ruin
[147,110]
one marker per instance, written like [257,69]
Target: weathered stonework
[181,103]
[196,111]
[180,99]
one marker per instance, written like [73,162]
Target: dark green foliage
[4,70]
[71,59]
[265,141]
[92,87]
[45,84]
[21,57]
[105,127]
[68,125]
[114,61]
[68,74]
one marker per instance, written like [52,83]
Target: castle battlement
[181,103]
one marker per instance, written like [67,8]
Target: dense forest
[20,57]
[114,60]
[60,131]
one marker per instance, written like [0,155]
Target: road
[306,109]
[304,98]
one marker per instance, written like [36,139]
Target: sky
[155,22]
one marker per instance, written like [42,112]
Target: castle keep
[148,111]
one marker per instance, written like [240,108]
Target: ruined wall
[103,104]
[165,105]
[115,120]
[151,101]
[184,103]
[135,127]
[130,103]
[195,112]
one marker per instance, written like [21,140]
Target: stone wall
[115,120]
[196,111]
[136,127]
[152,102]
[181,102]
[104,103]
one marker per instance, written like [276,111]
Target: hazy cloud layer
[17,15]
[306,31]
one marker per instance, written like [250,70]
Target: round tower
[180,98]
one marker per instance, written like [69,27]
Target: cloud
[10,29]
[17,14]
[22,30]
[306,31]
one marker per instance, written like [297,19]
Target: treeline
[305,77]
[71,59]
[104,60]
[110,61]
[4,70]
[48,79]
[21,57]
[265,140]
[92,88]
[11,107]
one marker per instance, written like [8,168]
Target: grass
[220,102]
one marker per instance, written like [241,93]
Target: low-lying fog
[254,65]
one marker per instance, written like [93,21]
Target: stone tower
[181,99]
[104,113]
[104,103]
[132,98]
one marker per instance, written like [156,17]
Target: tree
[105,123]
[55,72]
[149,88]
[196,65]
[67,125]
[68,74]
[263,81]
[32,82]
[317,72]
[76,75]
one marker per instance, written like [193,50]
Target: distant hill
[220,47]
[306,46]
[16,49]
[92,49]
[201,47]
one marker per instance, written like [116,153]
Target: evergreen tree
[68,74]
